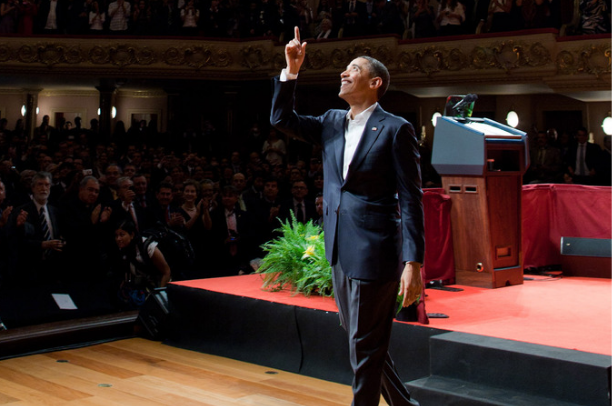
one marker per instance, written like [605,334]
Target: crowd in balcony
[276,18]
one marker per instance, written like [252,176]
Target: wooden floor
[141,372]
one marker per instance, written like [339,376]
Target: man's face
[582,137]
[542,140]
[229,200]
[355,81]
[112,174]
[299,190]
[140,185]
[319,205]
[239,181]
[125,191]
[270,190]
[129,171]
[164,196]
[41,189]
[88,194]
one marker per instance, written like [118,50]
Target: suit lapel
[338,144]
[372,130]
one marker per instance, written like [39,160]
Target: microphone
[470,98]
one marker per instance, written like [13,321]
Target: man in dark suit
[302,207]
[583,159]
[36,237]
[372,212]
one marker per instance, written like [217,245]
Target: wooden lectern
[482,163]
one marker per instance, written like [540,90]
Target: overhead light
[434,118]
[23,110]
[114,112]
[512,119]
[607,125]
[98,111]
[37,110]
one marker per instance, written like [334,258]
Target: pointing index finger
[297,33]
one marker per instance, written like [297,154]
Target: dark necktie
[46,233]
[300,213]
[43,225]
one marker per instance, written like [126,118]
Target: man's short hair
[163,185]
[41,175]
[86,180]
[378,69]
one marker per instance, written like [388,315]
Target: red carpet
[573,313]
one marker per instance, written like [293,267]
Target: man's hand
[411,283]
[295,51]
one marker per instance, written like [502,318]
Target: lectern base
[490,280]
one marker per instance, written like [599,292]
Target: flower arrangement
[296,260]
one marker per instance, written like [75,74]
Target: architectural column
[31,105]
[107,91]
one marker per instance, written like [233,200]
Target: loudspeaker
[154,314]
[589,257]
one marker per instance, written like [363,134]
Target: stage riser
[311,342]
[294,339]
[529,369]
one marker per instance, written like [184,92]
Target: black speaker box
[589,257]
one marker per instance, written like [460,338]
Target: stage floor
[570,312]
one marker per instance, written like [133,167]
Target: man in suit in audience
[303,208]
[372,211]
[37,242]
[583,159]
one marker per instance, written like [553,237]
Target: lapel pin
[374,128]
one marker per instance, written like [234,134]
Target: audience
[225,205]
[275,19]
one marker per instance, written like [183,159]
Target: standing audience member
[9,16]
[303,208]
[583,159]
[451,15]
[119,12]
[546,164]
[36,236]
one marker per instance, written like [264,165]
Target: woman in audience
[141,266]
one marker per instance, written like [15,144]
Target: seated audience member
[264,214]
[36,237]
[163,210]
[139,268]
[108,191]
[451,16]
[230,234]
[124,208]
[303,208]
[546,164]
[583,159]
[82,219]
[198,223]
[141,187]
[319,207]
[239,182]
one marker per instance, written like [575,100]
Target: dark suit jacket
[26,243]
[592,155]
[373,218]
[310,211]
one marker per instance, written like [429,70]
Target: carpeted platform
[572,313]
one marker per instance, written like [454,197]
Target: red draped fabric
[552,211]
[439,263]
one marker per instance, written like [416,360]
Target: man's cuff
[286,76]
